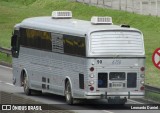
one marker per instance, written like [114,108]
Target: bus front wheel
[68,94]
[27,90]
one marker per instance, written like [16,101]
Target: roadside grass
[12,12]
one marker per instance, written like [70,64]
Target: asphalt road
[7,86]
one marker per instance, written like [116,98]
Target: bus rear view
[117,60]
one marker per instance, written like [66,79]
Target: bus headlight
[142,76]
[142,82]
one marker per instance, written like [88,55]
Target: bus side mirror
[13,40]
[15,46]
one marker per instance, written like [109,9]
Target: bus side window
[15,44]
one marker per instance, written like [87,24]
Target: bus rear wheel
[27,90]
[68,94]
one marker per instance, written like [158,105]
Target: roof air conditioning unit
[101,20]
[61,14]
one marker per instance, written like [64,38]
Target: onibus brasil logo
[156,58]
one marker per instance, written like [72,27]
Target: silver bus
[79,59]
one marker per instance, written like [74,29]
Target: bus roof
[69,26]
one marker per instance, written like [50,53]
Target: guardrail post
[111,3]
[133,6]
[5,51]
[156,1]
[126,5]
[119,4]
[7,55]
[150,12]
[141,7]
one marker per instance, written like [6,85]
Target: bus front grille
[102,80]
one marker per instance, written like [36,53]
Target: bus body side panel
[47,71]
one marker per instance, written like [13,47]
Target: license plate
[117,85]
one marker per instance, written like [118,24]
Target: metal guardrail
[5,50]
[152,89]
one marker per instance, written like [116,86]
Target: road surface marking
[7,83]
[135,101]
[107,111]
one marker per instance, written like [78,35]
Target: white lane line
[129,100]
[7,83]
[135,101]
[107,111]
[6,67]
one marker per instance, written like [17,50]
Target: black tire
[68,94]
[27,90]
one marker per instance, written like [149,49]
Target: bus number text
[116,62]
[99,61]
